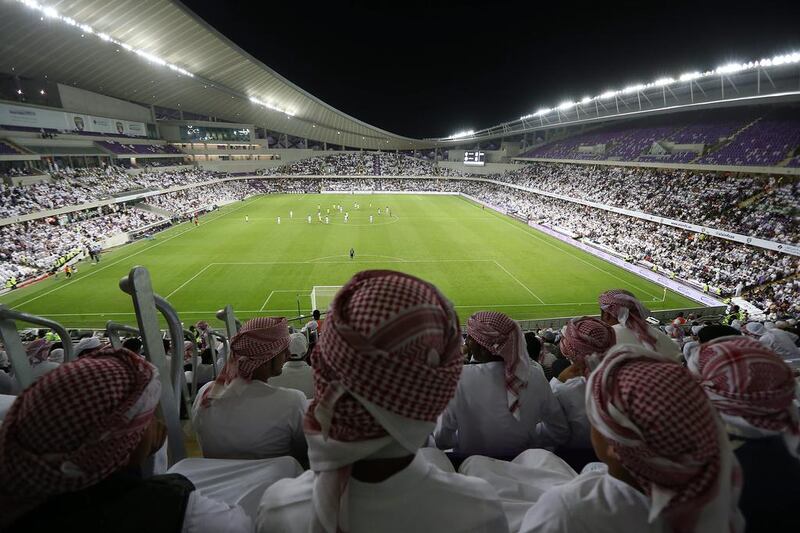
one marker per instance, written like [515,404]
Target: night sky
[428,69]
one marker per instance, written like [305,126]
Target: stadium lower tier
[523,268]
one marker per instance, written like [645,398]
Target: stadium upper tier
[757,206]
[740,137]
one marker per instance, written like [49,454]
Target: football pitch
[478,258]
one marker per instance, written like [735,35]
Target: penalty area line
[504,269]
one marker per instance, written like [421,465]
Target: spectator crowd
[765,207]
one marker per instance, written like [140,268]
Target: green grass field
[478,258]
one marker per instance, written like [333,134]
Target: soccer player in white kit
[247,218]
[279,220]
[309,219]
[291,214]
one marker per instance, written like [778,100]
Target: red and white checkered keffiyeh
[666,434]
[751,387]
[585,340]
[503,337]
[387,366]
[74,427]
[257,342]
[629,312]
[37,351]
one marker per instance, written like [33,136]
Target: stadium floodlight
[784,59]
[273,106]
[661,82]
[633,88]
[462,134]
[689,76]
[731,68]
[52,13]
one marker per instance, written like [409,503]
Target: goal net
[322,296]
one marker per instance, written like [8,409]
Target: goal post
[322,296]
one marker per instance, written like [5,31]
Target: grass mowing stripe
[534,233]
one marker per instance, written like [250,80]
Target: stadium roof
[159,52]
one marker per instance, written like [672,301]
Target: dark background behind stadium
[427,69]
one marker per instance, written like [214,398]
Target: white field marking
[312,261]
[484,306]
[185,283]
[59,287]
[351,262]
[282,290]
[504,269]
[582,260]
[398,259]
[287,310]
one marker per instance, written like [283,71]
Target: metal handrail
[137,284]
[210,334]
[227,316]
[113,329]
[175,328]
[13,344]
[66,340]
[188,335]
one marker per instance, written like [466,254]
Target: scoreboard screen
[474,158]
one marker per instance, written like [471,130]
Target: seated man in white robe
[73,448]
[503,404]
[753,390]
[667,464]
[384,370]
[625,313]
[38,352]
[296,373]
[241,416]
[584,342]
[779,341]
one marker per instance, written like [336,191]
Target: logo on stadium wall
[120,128]
[79,125]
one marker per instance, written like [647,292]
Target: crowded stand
[228,306]
[34,247]
[517,430]
[477,426]
[706,198]
[366,164]
[205,198]
[75,186]
[704,260]
[717,265]
[743,137]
